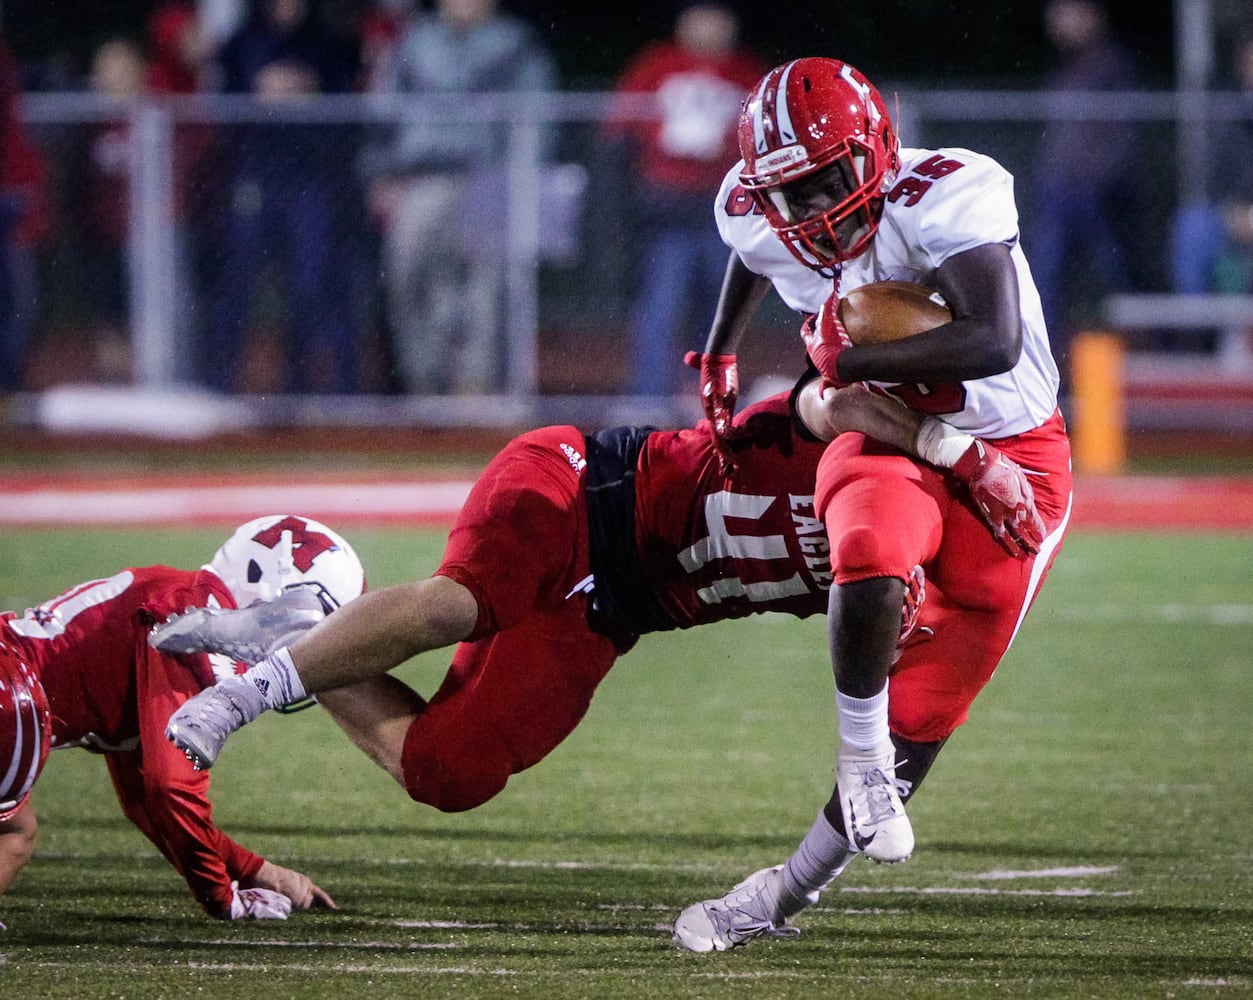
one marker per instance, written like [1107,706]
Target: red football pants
[886,512]
[527,675]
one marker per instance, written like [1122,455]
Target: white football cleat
[748,911]
[874,816]
[200,728]
[245,634]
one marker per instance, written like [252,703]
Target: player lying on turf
[569,547]
[78,671]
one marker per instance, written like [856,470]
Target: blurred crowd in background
[366,254]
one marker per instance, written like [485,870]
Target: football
[891,310]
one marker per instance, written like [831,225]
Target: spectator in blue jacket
[285,184]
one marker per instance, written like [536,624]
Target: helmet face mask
[819,152]
[25,732]
[827,217]
[271,554]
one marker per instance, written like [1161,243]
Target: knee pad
[926,717]
[881,521]
[858,554]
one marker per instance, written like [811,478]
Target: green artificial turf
[1087,834]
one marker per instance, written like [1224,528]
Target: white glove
[258,904]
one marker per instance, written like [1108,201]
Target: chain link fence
[240,253]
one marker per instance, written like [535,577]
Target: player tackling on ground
[568,548]
[78,671]
[824,201]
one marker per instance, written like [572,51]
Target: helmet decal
[270,554]
[302,542]
[864,88]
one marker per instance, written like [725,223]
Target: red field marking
[1118,502]
[222,500]
[1164,503]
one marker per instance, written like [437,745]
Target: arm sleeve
[168,800]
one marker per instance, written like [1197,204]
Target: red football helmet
[819,152]
[25,731]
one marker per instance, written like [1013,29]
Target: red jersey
[111,692]
[706,546]
[574,545]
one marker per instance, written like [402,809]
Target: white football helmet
[275,553]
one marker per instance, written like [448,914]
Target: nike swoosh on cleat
[861,842]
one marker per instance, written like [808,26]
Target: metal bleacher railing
[582,291]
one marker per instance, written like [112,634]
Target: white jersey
[943,202]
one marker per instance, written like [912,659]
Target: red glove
[719,389]
[915,596]
[825,337]
[1004,497]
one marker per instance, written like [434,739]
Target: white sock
[863,721]
[276,679]
[823,854]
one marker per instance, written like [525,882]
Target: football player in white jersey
[823,201]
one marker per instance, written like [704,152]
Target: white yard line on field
[951,890]
[440,925]
[1236,981]
[367,945]
[1077,871]
[633,866]
[1239,615]
[372,970]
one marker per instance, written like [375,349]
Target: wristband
[941,444]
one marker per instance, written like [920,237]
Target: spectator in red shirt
[380,27]
[127,74]
[699,77]
[177,49]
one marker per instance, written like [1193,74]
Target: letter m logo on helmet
[25,731]
[270,554]
[307,542]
